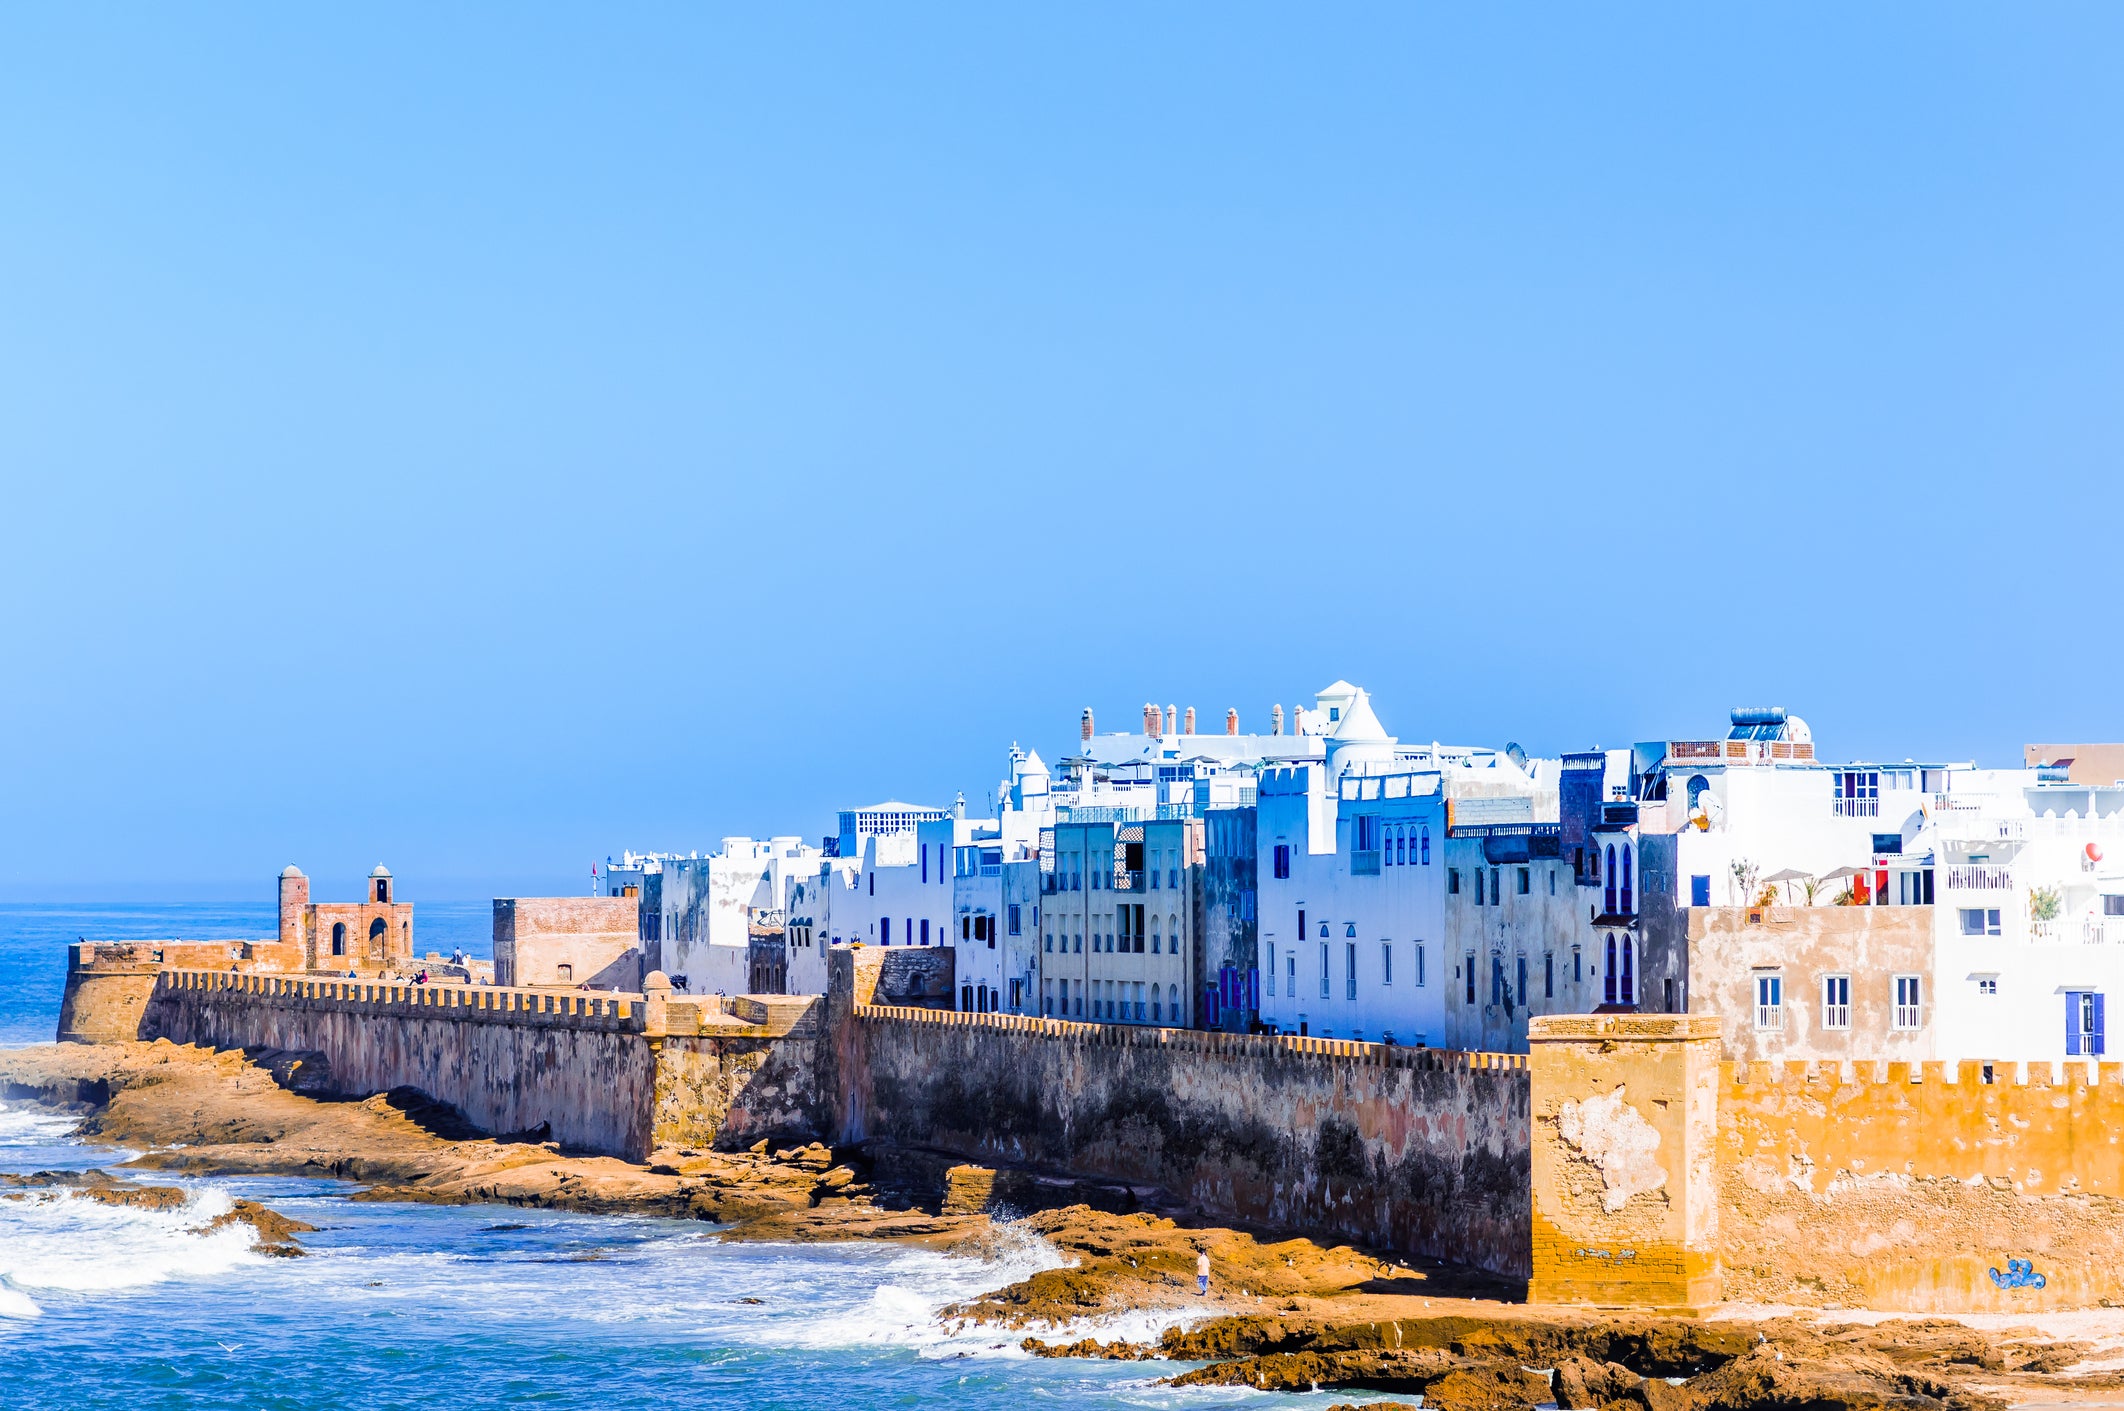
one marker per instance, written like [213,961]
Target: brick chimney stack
[1172,720]
[1231,721]
[1085,728]
[1153,723]
[1275,720]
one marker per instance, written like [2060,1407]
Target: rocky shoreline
[1286,1314]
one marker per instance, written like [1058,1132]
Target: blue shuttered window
[2085,1034]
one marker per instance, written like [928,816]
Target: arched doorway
[339,938]
[377,933]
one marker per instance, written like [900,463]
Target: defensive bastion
[1622,1162]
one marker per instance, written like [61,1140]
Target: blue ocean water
[426,1306]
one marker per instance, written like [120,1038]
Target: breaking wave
[55,1243]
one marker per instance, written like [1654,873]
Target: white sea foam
[910,1288]
[33,1126]
[57,1242]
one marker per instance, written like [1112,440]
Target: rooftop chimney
[1231,721]
[1275,720]
[1086,727]
[1153,723]
[1172,720]
[1189,727]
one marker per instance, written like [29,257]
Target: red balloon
[2094,852]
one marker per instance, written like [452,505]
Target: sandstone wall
[728,1093]
[1623,1185]
[509,1060]
[1412,1149]
[1902,1186]
[568,941]
[109,983]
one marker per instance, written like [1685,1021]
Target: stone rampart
[1904,1185]
[1419,1150]
[575,1065]
[1620,1162]
[1623,1190]
[109,983]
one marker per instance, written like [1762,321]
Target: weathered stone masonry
[598,1073]
[1411,1149]
[1620,1163]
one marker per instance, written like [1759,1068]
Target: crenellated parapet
[492,1004]
[1207,1042]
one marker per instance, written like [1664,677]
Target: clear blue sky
[485,438]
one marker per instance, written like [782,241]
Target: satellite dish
[1515,754]
[1714,811]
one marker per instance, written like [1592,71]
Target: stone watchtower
[295,914]
[1625,1131]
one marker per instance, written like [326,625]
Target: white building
[1911,911]
[902,888]
[859,825]
[997,965]
[722,917]
[1351,871]
[1116,921]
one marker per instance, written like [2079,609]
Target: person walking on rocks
[1202,1273]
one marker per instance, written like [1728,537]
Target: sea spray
[55,1241]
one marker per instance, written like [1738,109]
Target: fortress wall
[728,1093]
[109,983]
[509,1060]
[1411,1149]
[1902,1185]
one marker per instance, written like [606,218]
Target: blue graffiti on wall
[2020,1274]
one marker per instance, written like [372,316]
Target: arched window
[1698,784]
[1609,895]
[377,931]
[1608,978]
[1323,930]
[1628,901]
[1156,938]
[1401,846]
[1423,837]
[339,938]
[1626,989]
[1172,930]
[1350,930]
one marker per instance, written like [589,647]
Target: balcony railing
[1737,751]
[1127,881]
[1976,877]
[2046,932]
[1769,1016]
[1909,1016]
[1365,864]
[1858,808]
[1836,1016]
[2102,930]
